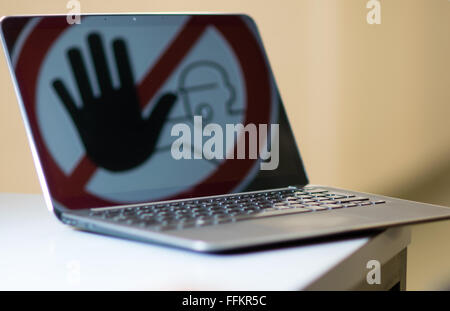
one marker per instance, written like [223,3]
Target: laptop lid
[124,109]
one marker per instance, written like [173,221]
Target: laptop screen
[126,109]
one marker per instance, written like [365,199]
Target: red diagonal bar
[170,59]
[150,84]
[82,173]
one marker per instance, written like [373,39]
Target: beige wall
[369,104]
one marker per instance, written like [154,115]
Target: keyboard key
[296,205]
[379,202]
[365,203]
[340,194]
[291,199]
[283,206]
[304,197]
[299,193]
[352,199]
[327,202]
[322,199]
[307,201]
[316,191]
[312,204]
[333,206]
[336,197]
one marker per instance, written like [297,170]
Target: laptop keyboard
[225,209]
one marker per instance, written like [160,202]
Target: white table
[37,252]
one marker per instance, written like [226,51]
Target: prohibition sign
[69,190]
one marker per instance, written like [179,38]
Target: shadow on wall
[426,269]
[432,187]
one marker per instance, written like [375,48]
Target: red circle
[222,180]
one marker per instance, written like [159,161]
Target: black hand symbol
[112,129]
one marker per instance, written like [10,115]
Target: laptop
[169,129]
